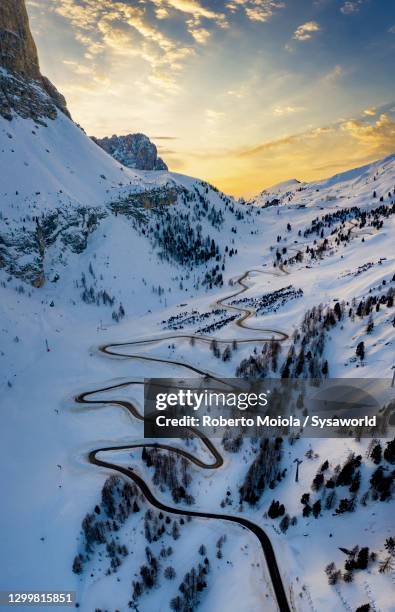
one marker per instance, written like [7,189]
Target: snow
[42,427]
[279,190]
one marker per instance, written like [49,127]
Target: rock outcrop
[133,150]
[23,89]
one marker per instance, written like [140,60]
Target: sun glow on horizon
[243,94]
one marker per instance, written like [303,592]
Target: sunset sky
[243,93]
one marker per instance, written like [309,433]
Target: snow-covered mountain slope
[354,185]
[59,186]
[92,253]
[55,165]
[271,196]
[121,265]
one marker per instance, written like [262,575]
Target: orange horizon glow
[243,94]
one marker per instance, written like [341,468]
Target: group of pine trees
[226,353]
[194,582]
[305,358]
[277,510]
[270,302]
[305,355]
[265,471]
[177,231]
[326,482]
[360,559]
[156,525]
[185,318]
[170,471]
[119,499]
[216,325]
[91,295]
[149,572]
[213,277]
[261,363]
[341,234]
[357,559]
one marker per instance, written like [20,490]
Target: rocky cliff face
[23,89]
[133,150]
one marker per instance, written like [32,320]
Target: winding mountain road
[86,398]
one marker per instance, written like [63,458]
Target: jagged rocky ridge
[133,150]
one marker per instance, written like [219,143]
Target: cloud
[392,30]
[164,151]
[190,7]
[213,116]
[140,29]
[333,75]
[256,10]
[379,135]
[377,138]
[351,6]
[270,145]
[238,93]
[77,67]
[200,34]
[280,111]
[306,30]
[162,13]
[83,16]
[116,27]
[370,112]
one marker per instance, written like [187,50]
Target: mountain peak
[18,52]
[132,150]
[20,66]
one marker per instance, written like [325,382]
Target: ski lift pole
[298,462]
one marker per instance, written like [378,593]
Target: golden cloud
[373,138]
[190,7]
[117,27]
[281,111]
[256,10]
[306,30]
[377,136]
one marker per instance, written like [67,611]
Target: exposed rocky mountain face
[23,89]
[133,150]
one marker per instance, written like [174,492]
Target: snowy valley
[110,275]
